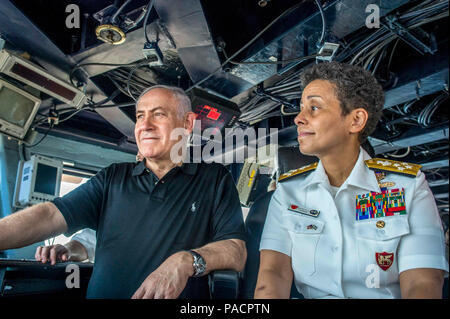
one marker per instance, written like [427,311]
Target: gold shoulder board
[382,164]
[298,171]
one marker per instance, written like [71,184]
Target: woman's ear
[358,119]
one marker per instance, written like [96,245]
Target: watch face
[199,264]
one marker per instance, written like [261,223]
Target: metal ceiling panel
[435,164]
[342,18]
[18,30]
[430,135]
[12,25]
[186,23]
[128,52]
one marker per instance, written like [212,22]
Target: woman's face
[321,127]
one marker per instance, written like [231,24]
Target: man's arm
[31,225]
[421,283]
[224,254]
[275,276]
[169,279]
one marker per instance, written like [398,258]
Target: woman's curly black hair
[354,88]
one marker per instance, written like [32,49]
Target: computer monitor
[214,111]
[17,110]
[38,78]
[38,180]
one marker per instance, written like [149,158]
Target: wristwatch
[199,263]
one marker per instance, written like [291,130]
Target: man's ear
[189,121]
[358,120]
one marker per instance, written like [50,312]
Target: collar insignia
[390,166]
[298,171]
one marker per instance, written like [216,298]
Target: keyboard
[6,262]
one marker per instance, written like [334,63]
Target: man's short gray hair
[184,102]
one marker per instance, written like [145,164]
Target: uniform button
[381,231]
[335,248]
[162,182]
[381,224]
[298,227]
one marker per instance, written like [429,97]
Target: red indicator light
[213,115]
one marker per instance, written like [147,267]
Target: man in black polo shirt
[159,222]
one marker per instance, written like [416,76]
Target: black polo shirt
[140,220]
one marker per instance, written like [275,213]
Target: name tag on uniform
[304,211]
[376,205]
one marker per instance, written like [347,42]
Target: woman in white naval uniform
[349,226]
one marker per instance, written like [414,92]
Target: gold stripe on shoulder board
[298,171]
[387,165]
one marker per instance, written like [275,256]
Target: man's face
[157,115]
[321,127]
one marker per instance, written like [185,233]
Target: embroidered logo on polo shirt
[193,207]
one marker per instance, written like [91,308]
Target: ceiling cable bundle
[425,115]
[369,51]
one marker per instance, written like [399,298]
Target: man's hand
[73,251]
[169,279]
[52,253]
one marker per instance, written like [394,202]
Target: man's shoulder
[122,165]
[116,168]
[207,168]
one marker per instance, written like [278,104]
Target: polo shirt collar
[187,168]
[139,168]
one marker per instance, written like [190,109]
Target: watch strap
[199,263]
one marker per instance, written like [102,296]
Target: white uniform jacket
[335,255]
